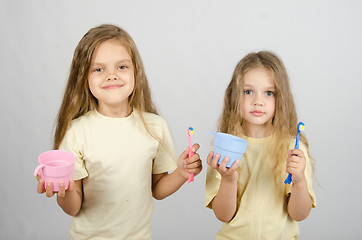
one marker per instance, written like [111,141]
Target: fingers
[49,189]
[185,154]
[213,160]
[61,192]
[71,185]
[235,165]
[296,152]
[195,147]
[209,158]
[40,187]
[223,168]
[193,164]
[195,170]
[192,159]
[193,167]
[296,163]
[292,168]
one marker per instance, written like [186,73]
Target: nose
[112,77]
[258,100]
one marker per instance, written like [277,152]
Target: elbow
[71,212]
[223,217]
[298,219]
[158,196]
[299,216]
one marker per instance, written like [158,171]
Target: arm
[224,203]
[300,202]
[164,184]
[69,200]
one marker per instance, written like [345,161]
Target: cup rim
[68,157]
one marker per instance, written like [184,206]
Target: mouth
[257,113]
[115,86]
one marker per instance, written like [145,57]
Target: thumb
[185,154]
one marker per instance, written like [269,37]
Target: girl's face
[258,100]
[111,78]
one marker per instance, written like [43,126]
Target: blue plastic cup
[229,145]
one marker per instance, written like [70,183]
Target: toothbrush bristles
[191,130]
[301,126]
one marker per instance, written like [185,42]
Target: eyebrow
[118,62]
[250,86]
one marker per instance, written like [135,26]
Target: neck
[257,131]
[115,112]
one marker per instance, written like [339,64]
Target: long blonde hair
[78,100]
[285,119]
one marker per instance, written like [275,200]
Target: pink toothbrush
[190,131]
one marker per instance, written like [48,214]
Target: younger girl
[123,149]
[252,199]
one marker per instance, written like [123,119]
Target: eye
[269,93]
[248,92]
[123,67]
[98,70]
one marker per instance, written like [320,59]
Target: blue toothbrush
[299,129]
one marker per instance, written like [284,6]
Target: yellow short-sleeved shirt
[260,214]
[116,158]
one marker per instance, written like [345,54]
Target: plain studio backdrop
[189,49]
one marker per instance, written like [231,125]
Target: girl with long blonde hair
[250,197]
[123,148]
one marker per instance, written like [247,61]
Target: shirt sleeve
[71,144]
[165,159]
[308,176]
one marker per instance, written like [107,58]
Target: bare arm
[164,184]
[224,203]
[300,202]
[69,200]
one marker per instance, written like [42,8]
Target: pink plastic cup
[56,166]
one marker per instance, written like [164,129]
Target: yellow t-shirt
[116,158]
[261,214]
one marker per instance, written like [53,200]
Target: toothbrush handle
[288,180]
[191,176]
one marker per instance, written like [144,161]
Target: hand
[296,163]
[188,165]
[228,174]
[49,188]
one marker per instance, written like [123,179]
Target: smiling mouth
[113,86]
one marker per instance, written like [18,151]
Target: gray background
[189,49]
